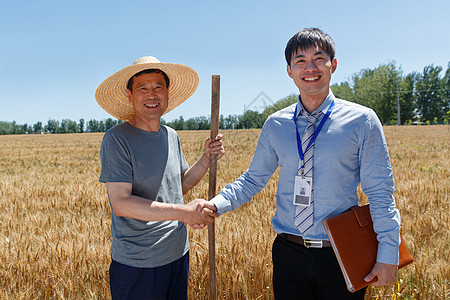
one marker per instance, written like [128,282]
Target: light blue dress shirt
[350,148]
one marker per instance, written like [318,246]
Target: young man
[325,147]
[146,175]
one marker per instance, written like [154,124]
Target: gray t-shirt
[153,163]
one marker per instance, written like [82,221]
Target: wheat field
[55,218]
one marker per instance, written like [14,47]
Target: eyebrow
[145,83]
[318,52]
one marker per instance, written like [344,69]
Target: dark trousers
[166,282]
[307,273]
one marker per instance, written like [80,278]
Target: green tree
[52,126]
[110,123]
[101,126]
[377,89]
[22,129]
[204,123]
[407,97]
[343,91]
[81,124]
[93,126]
[445,86]
[5,128]
[429,98]
[37,128]
[192,124]
[14,128]
[250,119]
[280,104]
[178,124]
[231,122]
[68,126]
[221,122]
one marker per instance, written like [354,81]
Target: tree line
[423,97]
[54,126]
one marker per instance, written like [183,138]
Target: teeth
[311,78]
[151,105]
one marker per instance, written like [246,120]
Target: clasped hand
[200,213]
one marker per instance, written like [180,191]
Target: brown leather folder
[355,244]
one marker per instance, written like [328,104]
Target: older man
[146,175]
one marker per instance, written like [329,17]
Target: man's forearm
[125,204]
[145,210]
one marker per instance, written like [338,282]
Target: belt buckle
[313,243]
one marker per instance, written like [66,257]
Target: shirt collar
[323,107]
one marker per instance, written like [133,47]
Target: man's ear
[129,95]
[333,65]
[289,71]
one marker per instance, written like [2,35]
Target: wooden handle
[215,102]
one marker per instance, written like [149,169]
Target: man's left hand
[386,274]
[214,146]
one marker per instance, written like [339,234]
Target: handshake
[199,213]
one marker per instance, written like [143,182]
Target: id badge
[302,191]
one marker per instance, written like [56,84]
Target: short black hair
[147,71]
[307,38]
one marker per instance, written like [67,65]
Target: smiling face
[311,71]
[150,98]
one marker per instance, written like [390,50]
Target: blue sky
[54,54]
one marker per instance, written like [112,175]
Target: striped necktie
[304,216]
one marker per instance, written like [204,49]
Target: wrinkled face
[311,71]
[149,97]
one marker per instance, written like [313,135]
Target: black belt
[306,243]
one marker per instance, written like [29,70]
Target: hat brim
[112,95]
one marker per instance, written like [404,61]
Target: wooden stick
[215,101]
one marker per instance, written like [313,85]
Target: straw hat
[112,95]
